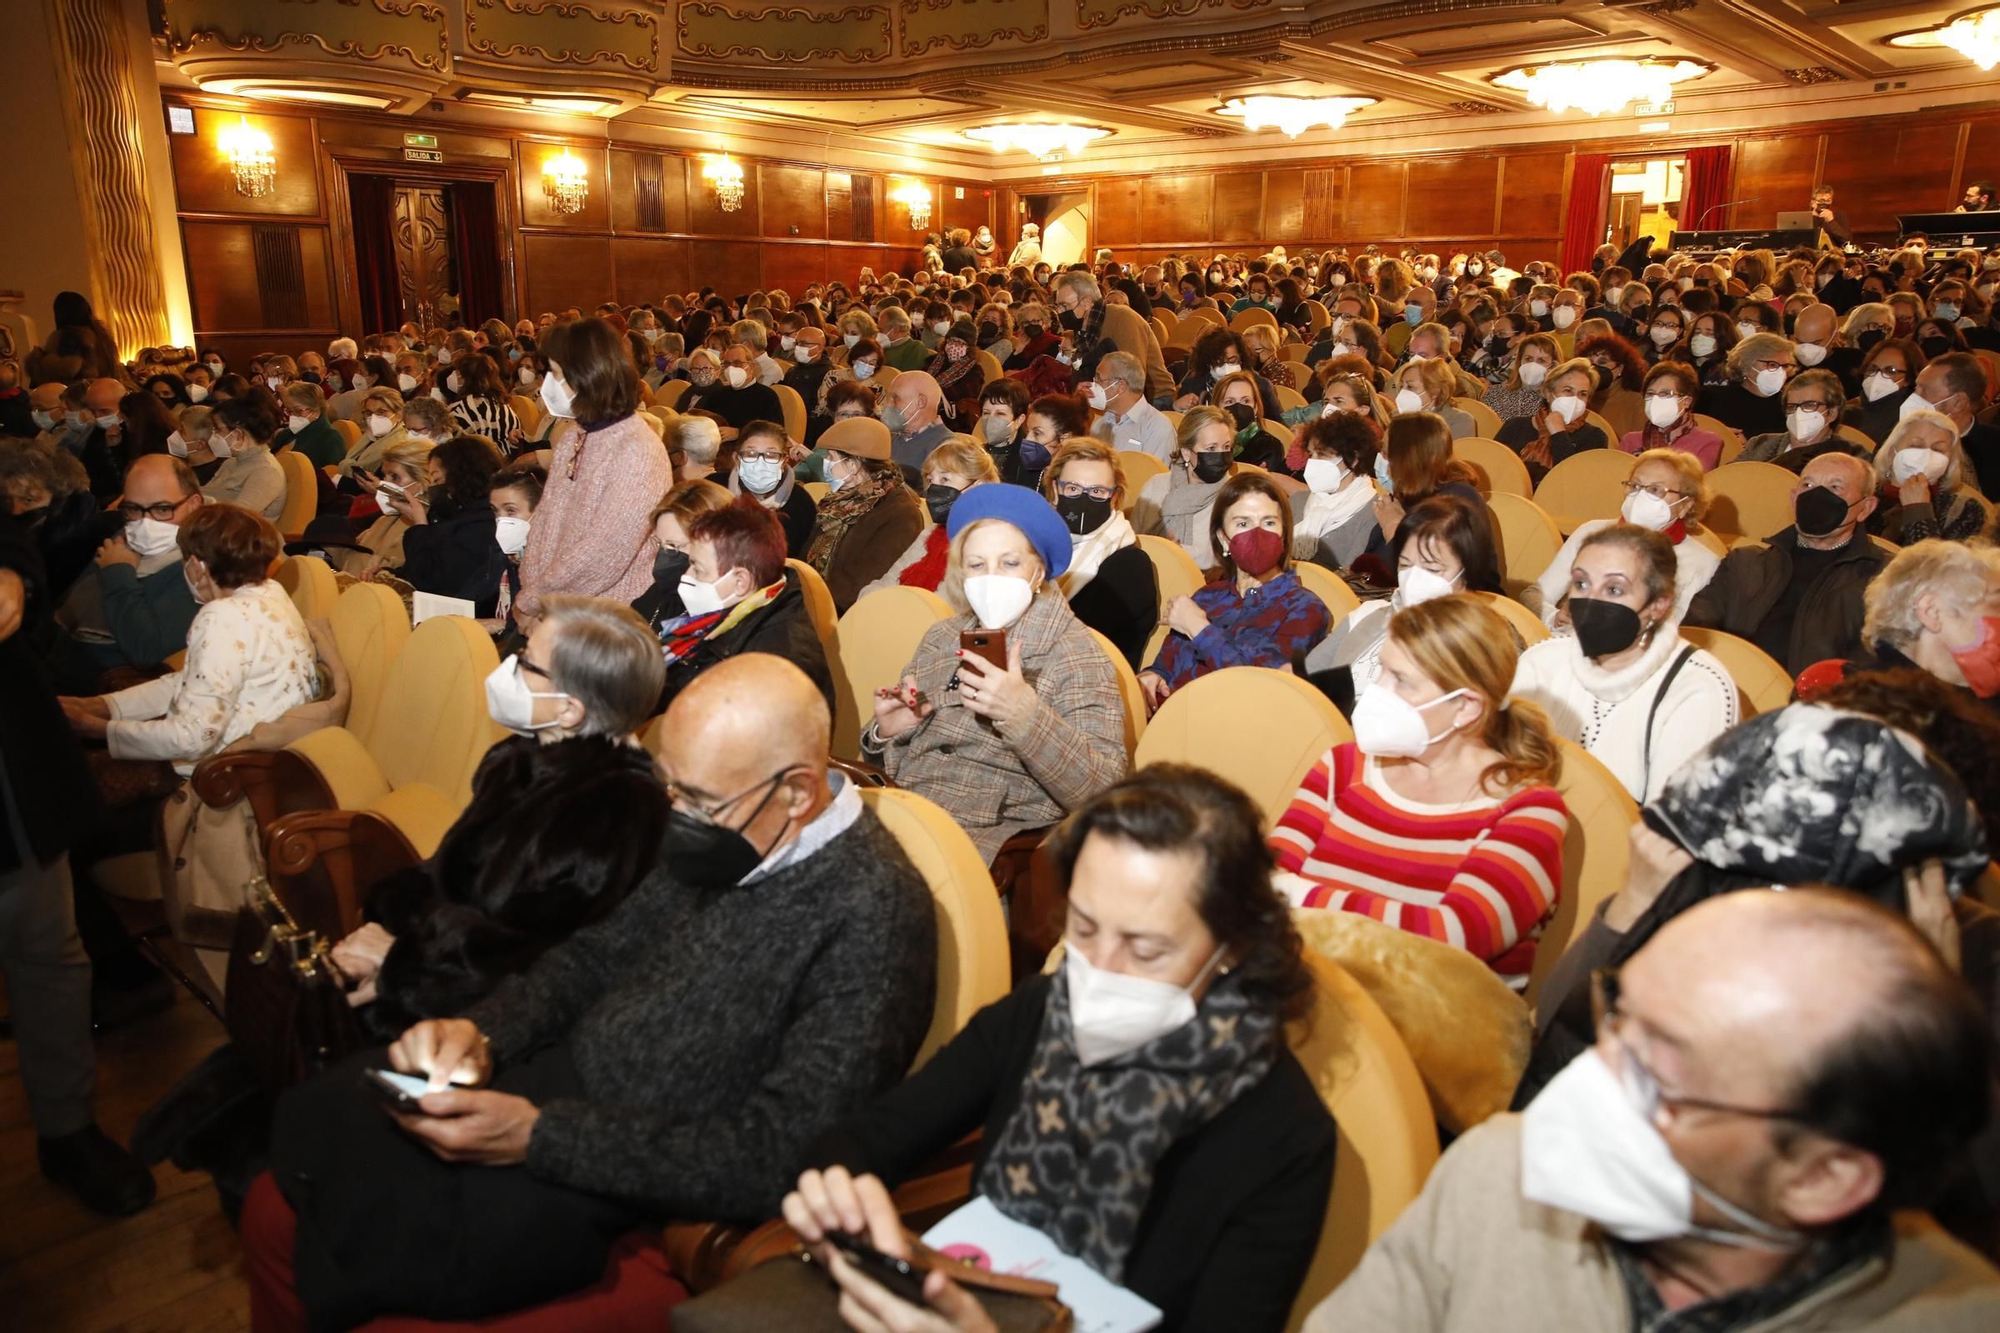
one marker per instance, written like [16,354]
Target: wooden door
[423,253]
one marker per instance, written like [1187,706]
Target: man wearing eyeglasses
[1126,420]
[1774,1073]
[133,610]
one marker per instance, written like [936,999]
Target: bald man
[134,608]
[809,364]
[1773,1074]
[46,410]
[103,449]
[910,410]
[674,1060]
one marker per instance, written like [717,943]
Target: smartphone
[900,1276]
[990,644]
[400,1091]
[393,489]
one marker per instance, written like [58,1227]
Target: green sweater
[148,620]
[908,354]
[320,442]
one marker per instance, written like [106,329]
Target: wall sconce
[250,158]
[727,178]
[565,183]
[918,200]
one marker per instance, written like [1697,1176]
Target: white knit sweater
[1694,562]
[1606,711]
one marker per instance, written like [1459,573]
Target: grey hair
[1125,368]
[341,349]
[1955,451]
[1960,572]
[426,416]
[607,660]
[1746,354]
[700,438]
[1082,284]
[1865,313]
[197,423]
[751,334]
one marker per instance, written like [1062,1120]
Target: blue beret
[1025,509]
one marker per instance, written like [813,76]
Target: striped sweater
[1483,875]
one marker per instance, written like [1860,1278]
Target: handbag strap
[1653,713]
[966,1275]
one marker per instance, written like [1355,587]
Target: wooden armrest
[324,862]
[860,772]
[224,779]
[1028,884]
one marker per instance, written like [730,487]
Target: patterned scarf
[679,636]
[1077,1158]
[843,508]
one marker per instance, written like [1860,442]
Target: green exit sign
[420,141]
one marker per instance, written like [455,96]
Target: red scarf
[928,569]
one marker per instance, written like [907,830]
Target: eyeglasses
[163,511]
[1665,395]
[1069,490]
[1641,1083]
[530,667]
[1806,405]
[712,814]
[1666,493]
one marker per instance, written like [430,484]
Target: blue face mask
[1413,314]
[1382,471]
[1034,455]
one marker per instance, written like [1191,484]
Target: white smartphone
[400,1091]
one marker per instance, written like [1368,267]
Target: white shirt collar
[838,816]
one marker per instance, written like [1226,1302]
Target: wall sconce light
[727,178]
[565,183]
[250,158]
[918,200]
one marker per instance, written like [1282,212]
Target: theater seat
[310,583]
[1750,500]
[1330,588]
[794,409]
[668,395]
[1177,576]
[1524,622]
[1762,685]
[819,605]
[1129,692]
[1482,416]
[1597,853]
[1139,467]
[1499,468]
[1529,539]
[1586,485]
[1261,729]
[877,638]
[301,494]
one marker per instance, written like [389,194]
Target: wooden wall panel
[1453,194]
[1175,207]
[1238,208]
[1116,219]
[794,201]
[793,267]
[727,266]
[1321,210]
[664,174]
[537,211]
[564,271]
[892,221]
[223,274]
[840,206]
[649,268]
[1375,201]
[972,212]
[1878,171]
[316,256]
[207,184]
[1531,194]
[1776,172]
[705,215]
[1284,206]
[1982,157]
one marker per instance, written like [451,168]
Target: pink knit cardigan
[592,534]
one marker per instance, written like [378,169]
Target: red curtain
[1583,221]
[1705,186]
[475,249]
[372,203]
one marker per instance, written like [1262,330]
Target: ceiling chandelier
[1293,115]
[1037,139]
[1597,86]
[565,183]
[917,199]
[1975,36]
[727,177]
[250,157]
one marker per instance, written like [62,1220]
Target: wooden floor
[175,1267]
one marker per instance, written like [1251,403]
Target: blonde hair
[410,453]
[958,453]
[388,398]
[1955,450]
[1434,373]
[1460,643]
[689,500]
[1957,571]
[1082,448]
[1240,377]
[1693,480]
[1194,420]
[952,586]
[1547,343]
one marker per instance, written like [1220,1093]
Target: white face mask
[1915,403]
[1648,511]
[699,598]
[1663,412]
[1809,354]
[214,367]
[379,425]
[940,327]
[1099,399]
[1417,585]
[511,703]
[1539,309]
[1223,369]
[110,421]
[298,423]
[760,475]
[1770,381]
[382,503]
[1702,344]
[1112,1014]
[786,342]
[1876,386]
[1805,425]
[1664,335]
[850,338]
[1324,476]
[1745,328]
[1388,726]
[736,375]
[1408,401]
[1687,284]
[526,374]
[1533,373]
[1564,316]
[454,382]
[407,383]
[1612,296]
[1908,463]
[1567,406]
[197,393]
[44,420]
[220,445]
[151,536]
[1587,1148]
[801,353]
[834,481]
[177,446]
[556,395]
[998,599]
[512,534]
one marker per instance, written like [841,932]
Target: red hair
[745,535]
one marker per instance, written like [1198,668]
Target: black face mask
[1032,329]
[1496,347]
[1244,415]
[1212,467]
[939,500]
[1934,347]
[668,566]
[1602,628]
[1082,513]
[1867,338]
[986,333]
[1819,511]
[702,855]
[1070,320]
[1602,374]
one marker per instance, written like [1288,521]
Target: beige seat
[972,968]
[1525,622]
[1388,1137]
[1177,575]
[1278,431]
[877,638]
[528,411]
[309,582]
[669,394]
[819,605]
[1528,537]
[816,489]
[1261,729]
[1610,434]
[1596,853]
[1732,438]
[1752,500]
[1317,312]
[370,630]
[1173,419]
[1129,693]
[301,494]
[1762,684]
[1296,353]
[1584,486]
[1302,374]
[1330,588]
[1288,399]
[1482,416]
[794,409]
[1209,315]
[990,365]
[1854,435]
[1499,468]
[1162,330]
[1139,467]
[1243,319]
[350,433]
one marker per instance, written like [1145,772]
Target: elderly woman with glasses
[1814,402]
[1665,494]
[1752,402]
[1923,463]
[1669,391]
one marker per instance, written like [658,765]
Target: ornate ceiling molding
[970,25]
[414,30]
[791,36]
[563,33]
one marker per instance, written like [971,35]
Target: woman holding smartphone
[964,726]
